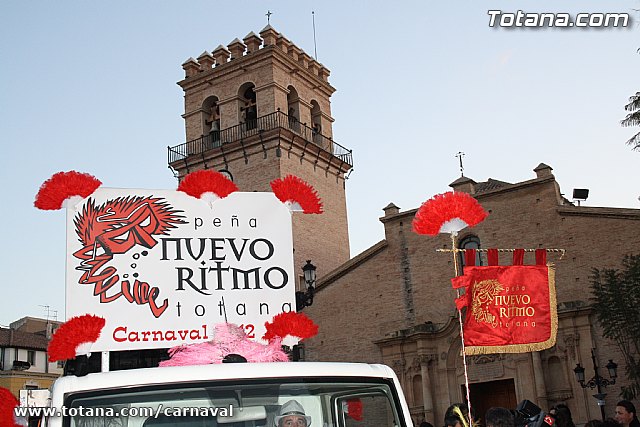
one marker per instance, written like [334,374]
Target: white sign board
[163,267]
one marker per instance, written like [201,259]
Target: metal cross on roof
[460,155]
[268,15]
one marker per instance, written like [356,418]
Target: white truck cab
[232,395]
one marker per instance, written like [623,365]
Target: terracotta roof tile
[17,339]
[490,184]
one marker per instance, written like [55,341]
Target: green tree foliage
[616,302]
[633,119]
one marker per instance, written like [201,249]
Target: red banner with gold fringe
[509,309]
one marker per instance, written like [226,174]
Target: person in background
[594,423]
[626,414]
[562,416]
[499,417]
[609,422]
[457,415]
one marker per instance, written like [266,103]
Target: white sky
[90,86]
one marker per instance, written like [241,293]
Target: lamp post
[305,298]
[597,381]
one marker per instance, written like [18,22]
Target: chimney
[464,185]
[543,170]
[391,209]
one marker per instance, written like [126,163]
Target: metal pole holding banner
[457,271]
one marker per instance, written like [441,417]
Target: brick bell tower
[257,110]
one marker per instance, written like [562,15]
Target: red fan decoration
[291,323]
[64,185]
[74,332]
[198,183]
[7,404]
[448,213]
[293,190]
[354,409]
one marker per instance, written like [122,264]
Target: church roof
[490,184]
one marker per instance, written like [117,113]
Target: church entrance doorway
[491,393]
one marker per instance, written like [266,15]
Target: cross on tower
[268,15]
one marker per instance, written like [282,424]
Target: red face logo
[116,227]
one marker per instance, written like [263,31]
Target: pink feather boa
[228,339]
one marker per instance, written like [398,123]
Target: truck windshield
[327,402]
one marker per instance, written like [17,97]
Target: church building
[398,301]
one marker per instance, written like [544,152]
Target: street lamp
[597,380]
[305,299]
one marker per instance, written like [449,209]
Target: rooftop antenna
[460,155]
[268,15]
[47,309]
[315,50]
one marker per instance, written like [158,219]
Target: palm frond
[634,102]
[632,119]
[634,141]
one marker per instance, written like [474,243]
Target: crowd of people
[457,415]
[292,414]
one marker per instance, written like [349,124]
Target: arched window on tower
[248,107]
[211,120]
[316,124]
[293,109]
[470,242]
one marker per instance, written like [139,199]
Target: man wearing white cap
[292,414]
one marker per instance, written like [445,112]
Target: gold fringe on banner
[537,346]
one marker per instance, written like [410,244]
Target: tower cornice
[244,63]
